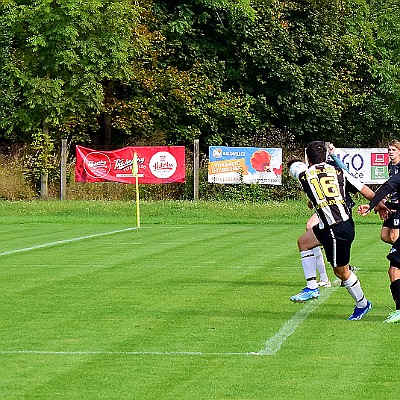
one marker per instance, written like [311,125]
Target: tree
[227,72]
[60,57]
[316,68]
[199,68]
[60,60]
[317,64]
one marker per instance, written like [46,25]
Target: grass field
[193,305]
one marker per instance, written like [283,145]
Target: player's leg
[306,244]
[312,221]
[389,235]
[323,276]
[390,228]
[319,258]
[343,236]
[394,277]
[353,286]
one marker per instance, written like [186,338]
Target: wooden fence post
[196,155]
[63,167]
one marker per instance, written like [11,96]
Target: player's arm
[384,190]
[336,160]
[379,208]
[339,162]
[354,185]
[380,194]
[392,206]
[367,192]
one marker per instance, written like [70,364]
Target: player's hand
[382,210]
[363,209]
[381,206]
[331,148]
[383,215]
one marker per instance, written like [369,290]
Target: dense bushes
[13,184]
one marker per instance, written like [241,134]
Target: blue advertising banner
[233,165]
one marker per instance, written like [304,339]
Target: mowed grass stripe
[217,289]
[152,274]
[64,241]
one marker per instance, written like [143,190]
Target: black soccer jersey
[326,186]
[393,183]
[393,169]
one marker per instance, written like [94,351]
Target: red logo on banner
[379,159]
[164,164]
[97,164]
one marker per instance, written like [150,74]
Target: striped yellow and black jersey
[327,186]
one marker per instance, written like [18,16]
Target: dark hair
[316,152]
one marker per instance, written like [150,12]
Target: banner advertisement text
[155,164]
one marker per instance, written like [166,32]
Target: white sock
[309,264]
[323,276]
[353,286]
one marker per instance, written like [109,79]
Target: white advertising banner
[367,165]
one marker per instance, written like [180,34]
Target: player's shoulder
[328,167]
[395,178]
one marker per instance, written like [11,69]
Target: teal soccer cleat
[393,317]
[305,295]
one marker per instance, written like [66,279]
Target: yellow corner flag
[135,173]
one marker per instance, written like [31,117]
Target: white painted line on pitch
[58,242]
[126,353]
[273,345]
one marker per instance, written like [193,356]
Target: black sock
[395,289]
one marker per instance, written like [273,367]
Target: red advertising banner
[156,164]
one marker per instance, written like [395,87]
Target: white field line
[125,353]
[58,242]
[271,347]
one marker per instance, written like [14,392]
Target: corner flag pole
[135,171]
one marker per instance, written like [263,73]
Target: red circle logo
[97,164]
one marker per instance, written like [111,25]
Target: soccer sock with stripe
[309,264]
[353,286]
[395,289]
[323,276]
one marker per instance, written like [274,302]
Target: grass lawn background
[175,310]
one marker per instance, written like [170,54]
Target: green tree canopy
[57,57]
[228,72]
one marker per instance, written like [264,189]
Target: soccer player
[390,227]
[392,184]
[326,187]
[313,220]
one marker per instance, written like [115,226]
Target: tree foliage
[228,72]
[59,55]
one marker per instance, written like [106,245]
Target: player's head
[316,152]
[395,143]
[394,151]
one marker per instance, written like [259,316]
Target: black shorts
[337,240]
[393,221]
[394,254]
